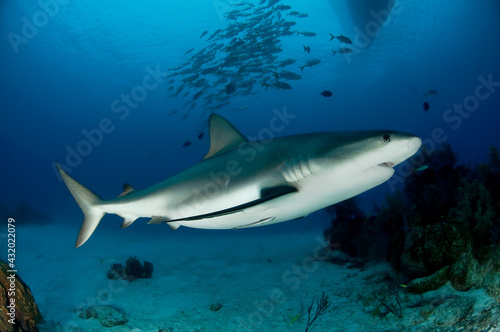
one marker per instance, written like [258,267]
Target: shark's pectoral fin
[127,189]
[157,220]
[273,192]
[267,194]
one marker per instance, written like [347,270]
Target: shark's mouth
[387,164]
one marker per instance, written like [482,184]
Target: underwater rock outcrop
[216,306]
[25,315]
[107,315]
[133,269]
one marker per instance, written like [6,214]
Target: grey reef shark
[241,183]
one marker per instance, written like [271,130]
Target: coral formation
[133,269]
[322,306]
[25,314]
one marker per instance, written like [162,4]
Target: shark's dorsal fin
[223,136]
[127,189]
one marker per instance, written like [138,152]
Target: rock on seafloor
[107,315]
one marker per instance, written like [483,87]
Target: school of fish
[242,58]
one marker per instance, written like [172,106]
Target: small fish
[285,63]
[307,49]
[310,63]
[191,78]
[430,93]
[306,33]
[200,135]
[421,168]
[343,50]
[342,39]
[198,94]
[241,108]
[173,112]
[326,93]
[204,33]
[186,144]
[281,85]
[282,7]
[426,106]
[277,85]
[230,88]
[287,75]
[200,83]
[215,34]
[189,51]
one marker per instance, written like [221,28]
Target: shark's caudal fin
[88,202]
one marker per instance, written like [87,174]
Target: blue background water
[65,76]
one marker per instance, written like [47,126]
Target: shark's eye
[386,138]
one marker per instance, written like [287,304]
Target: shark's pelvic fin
[173,225]
[157,220]
[223,136]
[88,202]
[127,222]
[127,189]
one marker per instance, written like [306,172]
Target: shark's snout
[408,149]
[414,143]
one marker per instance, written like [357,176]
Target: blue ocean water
[86,83]
[62,78]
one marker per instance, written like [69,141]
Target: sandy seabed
[261,282]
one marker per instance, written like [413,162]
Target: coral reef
[26,314]
[444,226]
[322,306]
[133,269]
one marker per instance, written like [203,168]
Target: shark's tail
[88,202]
